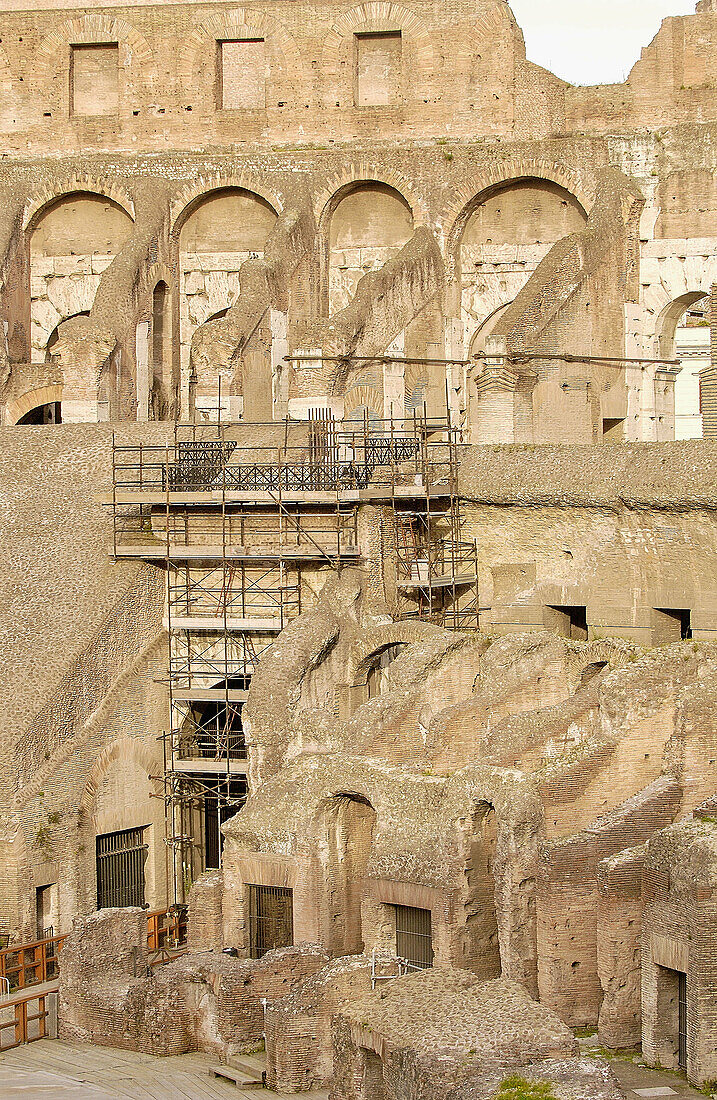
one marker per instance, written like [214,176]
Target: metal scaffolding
[235,517]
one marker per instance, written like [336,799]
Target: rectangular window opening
[94,79]
[414,938]
[271,919]
[569,621]
[121,857]
[241,78]
[671,624]
[377,68]
[613,429]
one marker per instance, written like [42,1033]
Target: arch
[136,58]
[82,211]
[19,407]
[225,226]
[124,748]
[366,223]
[219,222]
[56,333]
[370,214]
[481,334]
[669,319]
[362,173]
[527,211]
[347,821]
[373,669]
[694,356]
[466,198]
[182,206]
[35,207]
[481,946]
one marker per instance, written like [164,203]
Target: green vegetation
[517,1088]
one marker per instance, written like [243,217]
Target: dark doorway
[221,801]
[569,621]
[671,624]
[121,858]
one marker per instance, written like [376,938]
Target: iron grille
[413,936]
[198,464]
[682,1020]
[271,919]
[388,452]
[120,868]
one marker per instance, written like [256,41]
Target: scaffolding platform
[235,523]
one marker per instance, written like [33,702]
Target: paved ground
[638,1080]
[641,1081]
[69,1071]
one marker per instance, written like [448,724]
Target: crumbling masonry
[359,402]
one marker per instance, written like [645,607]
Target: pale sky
[592,41]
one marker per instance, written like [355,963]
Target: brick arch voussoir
[363,395]
[239,23]
[377,16]
[124,748]
[91,185]
[20,406]
[181,204]
[360,172]
[454,216]
[93,29]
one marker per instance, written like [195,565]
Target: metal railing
[333,455]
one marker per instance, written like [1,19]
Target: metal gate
[120,868]
[413,936]
[271,919]
[682,1020]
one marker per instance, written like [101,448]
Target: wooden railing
[27,1019]
[35,963]
[166,929]
[31,963]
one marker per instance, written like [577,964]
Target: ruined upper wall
[174,75]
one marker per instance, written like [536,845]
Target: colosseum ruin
[358,480]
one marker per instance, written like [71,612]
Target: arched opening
[57,333]
[684,334]
[163,395]
[377,678]
[72,242]
[507,232]
[219,232]
[481,948]
[347,825]
[43,414]
[373,675]
[369,225]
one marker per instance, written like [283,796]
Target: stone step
[238,1077]
[254,1065]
